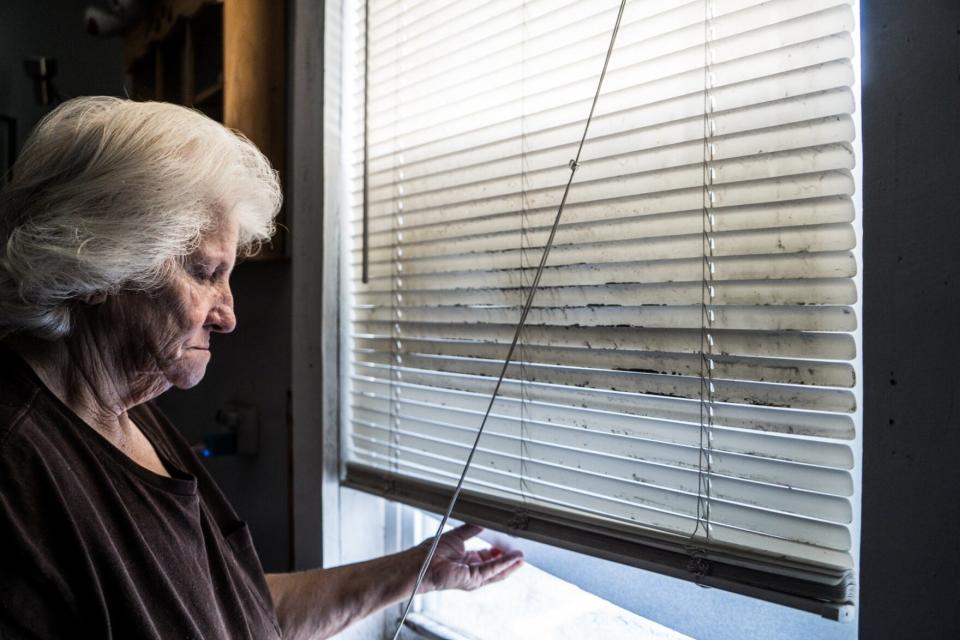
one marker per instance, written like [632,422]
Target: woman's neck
[86,373]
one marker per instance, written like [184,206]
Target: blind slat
[770,318]
[781,371]
[590,428]
[614,199]
[496,234]
[641,176]
[776,292]
[757,418]
[820,86]
[828,346]
[445,120]
[823,251]
[741,392]
[640,149]
[617,513]
[498,75]
[808,531]
[665,484]
[817,479]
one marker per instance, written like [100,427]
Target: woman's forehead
[220,242]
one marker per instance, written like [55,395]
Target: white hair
[109,194]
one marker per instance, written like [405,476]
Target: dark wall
[87,65]
[910,552]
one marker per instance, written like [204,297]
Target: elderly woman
[118,234]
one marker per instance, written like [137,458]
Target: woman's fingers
[475,557]
[481,556]
[489,554]
[464,532]
[506,572]
[474,569]
[496,568]
[459,568]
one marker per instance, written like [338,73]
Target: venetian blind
[686,376]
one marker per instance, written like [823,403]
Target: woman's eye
[207,272]
[204,274]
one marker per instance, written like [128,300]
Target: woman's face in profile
[167,332]
[202,304]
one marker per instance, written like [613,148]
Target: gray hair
[109,194]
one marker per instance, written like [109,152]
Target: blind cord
[516,336]
[704,465]
[523,245]
[365,269]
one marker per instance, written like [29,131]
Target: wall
[910,549]
[87,65]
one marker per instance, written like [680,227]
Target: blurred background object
[42,70]
[116,19]
[8,146]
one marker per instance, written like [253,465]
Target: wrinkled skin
[128,348]
[162,338]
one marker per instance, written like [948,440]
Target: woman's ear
[95,298]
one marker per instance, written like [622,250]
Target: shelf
[225,58]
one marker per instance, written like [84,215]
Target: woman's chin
[190,370]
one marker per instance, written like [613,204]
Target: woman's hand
[453,567]
[322,602]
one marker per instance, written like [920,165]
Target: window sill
[530,604]
[421,627]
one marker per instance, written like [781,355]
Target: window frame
[318,305]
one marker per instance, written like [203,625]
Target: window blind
[686,381]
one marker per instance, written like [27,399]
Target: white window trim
[316,354]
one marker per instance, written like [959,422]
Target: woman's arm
[322,602]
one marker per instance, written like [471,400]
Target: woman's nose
[221,318]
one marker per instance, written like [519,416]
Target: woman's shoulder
[20,398]
[36,462]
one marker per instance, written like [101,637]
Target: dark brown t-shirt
[93,545]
